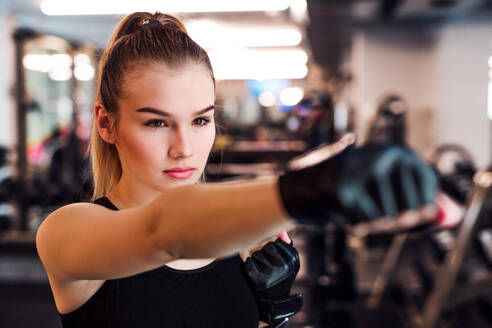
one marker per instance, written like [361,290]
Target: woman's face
[166,127]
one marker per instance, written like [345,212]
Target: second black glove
[363,184]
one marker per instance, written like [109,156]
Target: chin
[177,183]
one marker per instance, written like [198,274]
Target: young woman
[157,249]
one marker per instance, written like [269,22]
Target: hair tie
[151,22]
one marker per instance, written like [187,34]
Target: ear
[105,124]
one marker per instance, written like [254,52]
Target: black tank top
[216,295]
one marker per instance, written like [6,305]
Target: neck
[128,194]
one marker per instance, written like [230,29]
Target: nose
[180,145]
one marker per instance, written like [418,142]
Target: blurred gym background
[292,74]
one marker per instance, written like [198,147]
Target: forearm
[214,220]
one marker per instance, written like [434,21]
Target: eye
[156,123]
[201,121]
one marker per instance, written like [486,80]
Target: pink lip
[180,172]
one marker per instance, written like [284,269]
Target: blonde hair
[140,38]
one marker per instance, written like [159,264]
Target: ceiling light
[81,59]
[58,66]
[291,96]
[298,10]
[61,60]
[209,35]
[247,64]
[267,99]
[84,72]
[37,62]
[60,73]
[97,7]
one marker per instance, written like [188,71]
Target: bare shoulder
[55,223]
[70,210]
[49,236]
[67,212]
[57,217]
[68,295]
[71,239]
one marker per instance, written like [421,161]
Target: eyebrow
[163,113]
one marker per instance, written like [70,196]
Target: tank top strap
[104,201]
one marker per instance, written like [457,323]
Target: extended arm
[87,241]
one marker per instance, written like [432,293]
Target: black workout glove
[271,271]
[362,184]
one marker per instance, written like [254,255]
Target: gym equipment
[435,291]
[389,122]
[6,192]
[448,271]
[456,170]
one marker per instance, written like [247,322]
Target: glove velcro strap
[279,323]
[271,310]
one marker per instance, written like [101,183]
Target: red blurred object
[450,213]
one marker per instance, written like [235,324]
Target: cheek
[139,148]
[204,142]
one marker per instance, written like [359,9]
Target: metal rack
[444,289]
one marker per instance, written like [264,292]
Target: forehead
[177,91]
